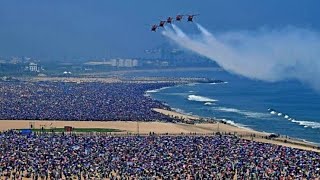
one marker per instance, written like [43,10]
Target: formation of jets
[169,20]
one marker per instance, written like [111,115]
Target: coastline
[245,133]
[223,126]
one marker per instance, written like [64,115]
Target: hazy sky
[87,28]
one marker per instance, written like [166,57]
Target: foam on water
[243,112]
[220,83]
[306,124]
[156,90]
[208,103]
[193,97]
[152,91]
[229,109]
[230,122]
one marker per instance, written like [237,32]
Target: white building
[33,67]
[113,62]
[128,63]
[120,62]
[134,63]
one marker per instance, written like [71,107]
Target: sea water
[288,108]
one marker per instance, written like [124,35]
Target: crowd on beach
[70,156]
[79,101]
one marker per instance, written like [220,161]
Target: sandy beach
[126,126]
[144,128]
[134,126]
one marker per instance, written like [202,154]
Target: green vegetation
[77,130]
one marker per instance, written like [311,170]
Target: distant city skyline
[83,29]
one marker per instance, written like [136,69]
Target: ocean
[287,108]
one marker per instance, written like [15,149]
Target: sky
[121,28]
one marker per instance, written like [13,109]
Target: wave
[225,82]
[311,124]
[208,103]
[156,90]
[310,142]
[229,109]
[200,98]
[230,122]
[244,112]
[305,124]
[152,91]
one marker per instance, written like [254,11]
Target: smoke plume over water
[268,55]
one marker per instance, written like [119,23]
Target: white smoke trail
[269,55]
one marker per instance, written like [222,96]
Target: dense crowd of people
[70,156]
[84,101]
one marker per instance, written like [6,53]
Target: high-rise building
[120,63]
[113,62]
[128,63]
[134,63]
